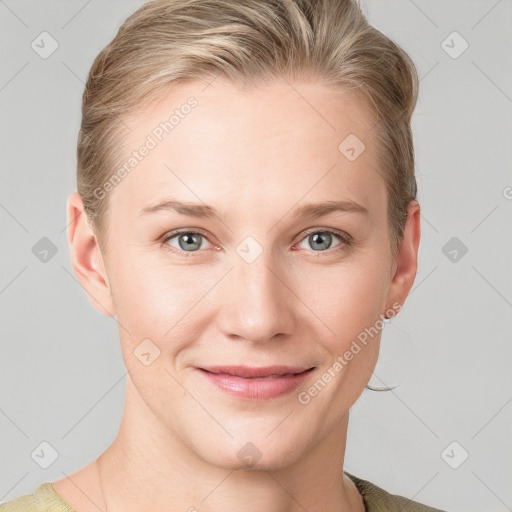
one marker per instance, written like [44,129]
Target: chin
[254,454]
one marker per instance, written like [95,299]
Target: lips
[247,372]
[248,383]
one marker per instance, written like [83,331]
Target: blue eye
[318,241]
[321,241]
[188,241]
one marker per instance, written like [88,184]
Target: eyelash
[344,238]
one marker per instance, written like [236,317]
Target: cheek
[349,298]
[165,303]
[151,294]
[353,314]
[162,301]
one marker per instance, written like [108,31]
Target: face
[252,275]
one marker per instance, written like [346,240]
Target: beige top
[45,499]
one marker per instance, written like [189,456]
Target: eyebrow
[307,210]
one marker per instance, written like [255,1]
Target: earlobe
[86,257]
[406,261]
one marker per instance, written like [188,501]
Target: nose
[258,300]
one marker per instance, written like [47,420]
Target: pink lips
[256,383]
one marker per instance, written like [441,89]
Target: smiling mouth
[258,373]
[268,377]
[246,383]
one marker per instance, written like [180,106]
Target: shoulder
[43,499]
[378,500]
[21,504]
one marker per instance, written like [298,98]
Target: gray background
[61,372]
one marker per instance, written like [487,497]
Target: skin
[255,155]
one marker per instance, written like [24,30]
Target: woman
[246,210]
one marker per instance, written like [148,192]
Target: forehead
[229,147]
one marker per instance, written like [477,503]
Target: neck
[148,467]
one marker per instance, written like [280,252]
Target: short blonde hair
[166,42]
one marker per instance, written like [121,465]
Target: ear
[86,258]
[405,264]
